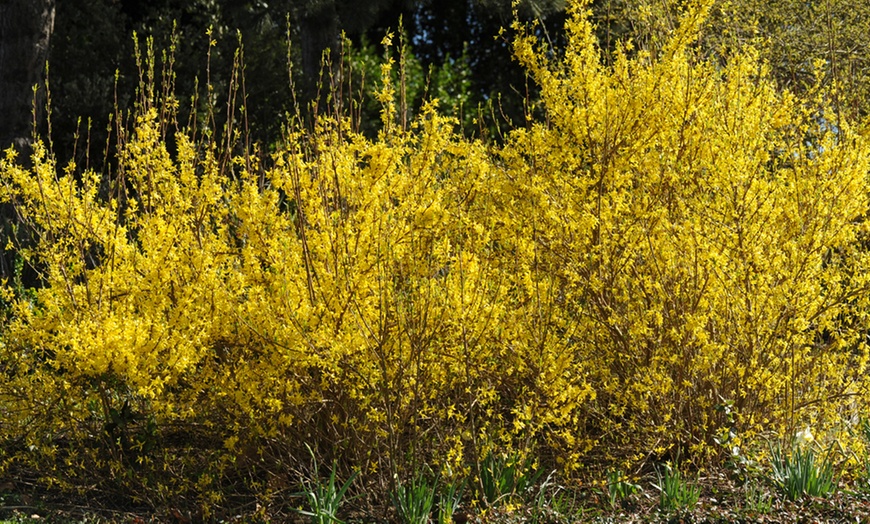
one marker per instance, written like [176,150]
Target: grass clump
[414,500]
[324,498]
[800,471]
[675,492]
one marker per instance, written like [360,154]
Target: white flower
[804,436]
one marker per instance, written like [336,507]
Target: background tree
[93,42]
[797,38]
[25,34]
[800,39]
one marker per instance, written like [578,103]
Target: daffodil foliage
[670,237]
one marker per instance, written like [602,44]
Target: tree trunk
[25,32]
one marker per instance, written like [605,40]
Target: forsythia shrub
[673,237]
[704,236]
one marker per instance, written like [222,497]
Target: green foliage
[756,499]
[548,503]
[565,504]
[449,83]
[415,499]
[325,497]
[675,492]
[800,472]
[449,498]
[619,488]
[503,476]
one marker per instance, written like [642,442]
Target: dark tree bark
[25,33]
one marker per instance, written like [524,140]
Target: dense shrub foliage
[673,256]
